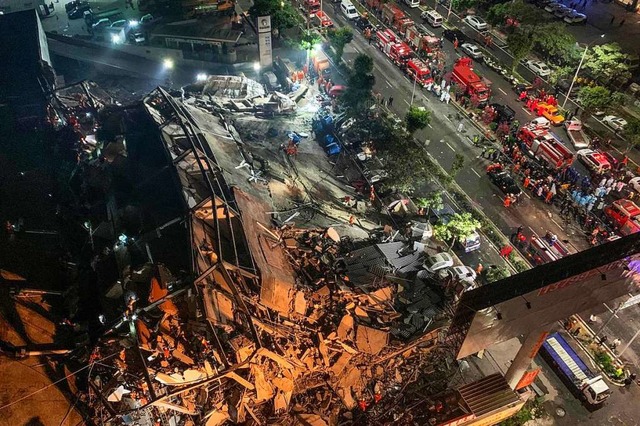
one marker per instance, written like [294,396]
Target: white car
[476,22]
[437,262]
[616,123]
[137,38]
[538,67]
[540,123]
[464,273]
[595,161]
[635,183]
[575,17]
[472,50]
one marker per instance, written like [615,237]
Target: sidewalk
[607,361]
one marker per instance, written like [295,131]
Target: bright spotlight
[201,76]
[133,23]
[116,39]
[256,66]
[168,63]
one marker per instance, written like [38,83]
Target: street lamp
[584,55]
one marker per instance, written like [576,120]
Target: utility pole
[613,314]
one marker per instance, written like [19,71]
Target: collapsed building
[273,323]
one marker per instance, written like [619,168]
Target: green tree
[457,165]
[339,39]
[497,13]
[433,201]
[520,44]
[607,64]
[553,39]
[593,98]
[309,40]
[632,133]
[357,97]
[459,227]
[497,273]
[417,118]
[283,15]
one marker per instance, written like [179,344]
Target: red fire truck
[385,38]
[625,215]
[419,71]
[374,5]
[392,13]
[419,41]
[545,146]
[472,84]
[399,53]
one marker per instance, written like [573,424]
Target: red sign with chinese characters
[527,378]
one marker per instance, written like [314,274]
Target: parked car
[271,81]
[538,67]
[362,23]
[78,12]
[73,4]
[616,123]
[504,181]
[575,17]
[634,183]
[119,24]
[561,12]
[476,22]
[551,7]
[464,273]
[472,50]
[540,123]
[102,23]
[504,113]
[137,37]
[455,34]
[437,262]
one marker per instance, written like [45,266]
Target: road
[443,142]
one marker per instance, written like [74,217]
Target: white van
[412,3]
[348,9]
[433,18]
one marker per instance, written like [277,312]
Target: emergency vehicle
[323,20]
[624,215]
[419,71]
[472,84]
[595,161]
[399,53]
[384,38]
[545,146]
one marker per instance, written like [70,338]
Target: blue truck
[573,371]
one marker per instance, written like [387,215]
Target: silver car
[472,50]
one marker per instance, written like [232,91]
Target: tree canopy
[339,39]
[432,201]
[459,227]
[283,15]
[594,98]
[497,273]
[310,39]
[357,97]
[520,44]
[606,63]
[632,133]
[417,118]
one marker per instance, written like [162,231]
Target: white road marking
[500,89]
[474,171]
[526,195]
[554,221]
[406,102]
[450,147]
[390,85]
[526,110]
[610,310]
[447,117]
[430,126]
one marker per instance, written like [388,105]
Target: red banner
[527,378]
